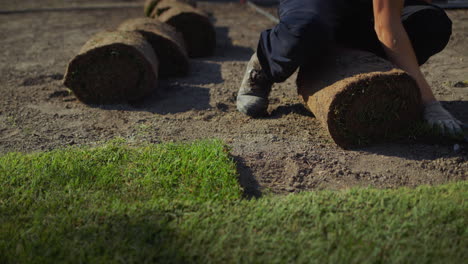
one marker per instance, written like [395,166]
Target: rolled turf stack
[198,31]
[150,4]
[360,98]
[113,67]
[167,43]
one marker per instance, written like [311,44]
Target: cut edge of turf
[47,218]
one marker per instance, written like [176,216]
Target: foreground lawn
[182,203]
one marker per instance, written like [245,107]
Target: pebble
[456,147]
[461,84]
[273,138]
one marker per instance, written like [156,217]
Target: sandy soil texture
[285,152]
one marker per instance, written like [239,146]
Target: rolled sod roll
[196,28]
[150,4]
[113,67]
[167,43]
[360,98]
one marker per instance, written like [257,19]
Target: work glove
[437,116]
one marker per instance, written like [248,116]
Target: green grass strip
[176,203]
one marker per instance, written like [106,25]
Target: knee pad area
[429,30]
[430,23]
[305,25]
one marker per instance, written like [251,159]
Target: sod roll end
[360,98]
[167,43]
[113,67]
[198,31]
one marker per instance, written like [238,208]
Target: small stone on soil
[461,84]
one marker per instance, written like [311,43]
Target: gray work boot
[252,98]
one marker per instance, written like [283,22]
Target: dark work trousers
[308,28]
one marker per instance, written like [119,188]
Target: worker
[405,32]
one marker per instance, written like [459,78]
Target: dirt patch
[288,151]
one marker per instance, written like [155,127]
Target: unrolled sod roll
[198,31]
[167,43]
[360,98]
[113,67]
[150,4]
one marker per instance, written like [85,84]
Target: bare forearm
[397,45]
[398,48]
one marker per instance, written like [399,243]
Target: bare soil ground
[288,151]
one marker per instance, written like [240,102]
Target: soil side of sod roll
[167,43]
[113,67]
[360,98]
[150,4]
[198,31]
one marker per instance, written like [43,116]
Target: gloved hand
[436,115]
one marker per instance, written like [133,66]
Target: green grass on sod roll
[176,203]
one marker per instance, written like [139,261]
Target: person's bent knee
[305,25]
[300,37]
[430,32]
[308,36]
[441,26]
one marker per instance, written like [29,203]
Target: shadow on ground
[247,179]
[419,152]
[171,99]
[458,108]
[283,110]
